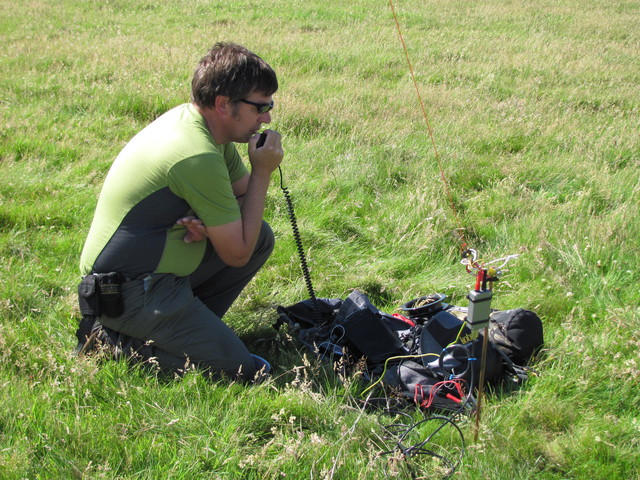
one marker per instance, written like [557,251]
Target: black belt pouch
[88,297]
[101,294]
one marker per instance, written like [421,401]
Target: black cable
[451,349]
[298,242]
[401,432]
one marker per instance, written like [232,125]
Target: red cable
[426,403]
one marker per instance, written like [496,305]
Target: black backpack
[517,334]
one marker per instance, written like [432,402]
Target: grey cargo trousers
[177,321]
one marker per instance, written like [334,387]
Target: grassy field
[535,110]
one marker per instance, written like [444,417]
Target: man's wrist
[261,174]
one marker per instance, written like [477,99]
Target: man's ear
[222,104]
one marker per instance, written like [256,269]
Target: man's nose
[265,117]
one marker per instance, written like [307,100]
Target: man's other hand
[195,229]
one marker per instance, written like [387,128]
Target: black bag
[516,333]
[353,323]
[309,314]
[313,321]
[365,329]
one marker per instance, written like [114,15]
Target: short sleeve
[204,182]
[235,166]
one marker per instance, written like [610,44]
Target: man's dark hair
[233,71]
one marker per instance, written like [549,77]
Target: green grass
[535,113]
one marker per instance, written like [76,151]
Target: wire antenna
[459,231]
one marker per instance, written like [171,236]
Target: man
[179,223]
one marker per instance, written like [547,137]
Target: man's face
[246,116]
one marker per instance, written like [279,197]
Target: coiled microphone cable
[298,241]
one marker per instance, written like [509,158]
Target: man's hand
[196,230]
[267,157]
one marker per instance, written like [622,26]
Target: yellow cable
[400,357]
[457,336]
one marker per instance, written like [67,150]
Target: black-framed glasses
[262,107]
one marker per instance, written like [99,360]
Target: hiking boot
[99,340]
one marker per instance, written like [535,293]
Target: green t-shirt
[171,169]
